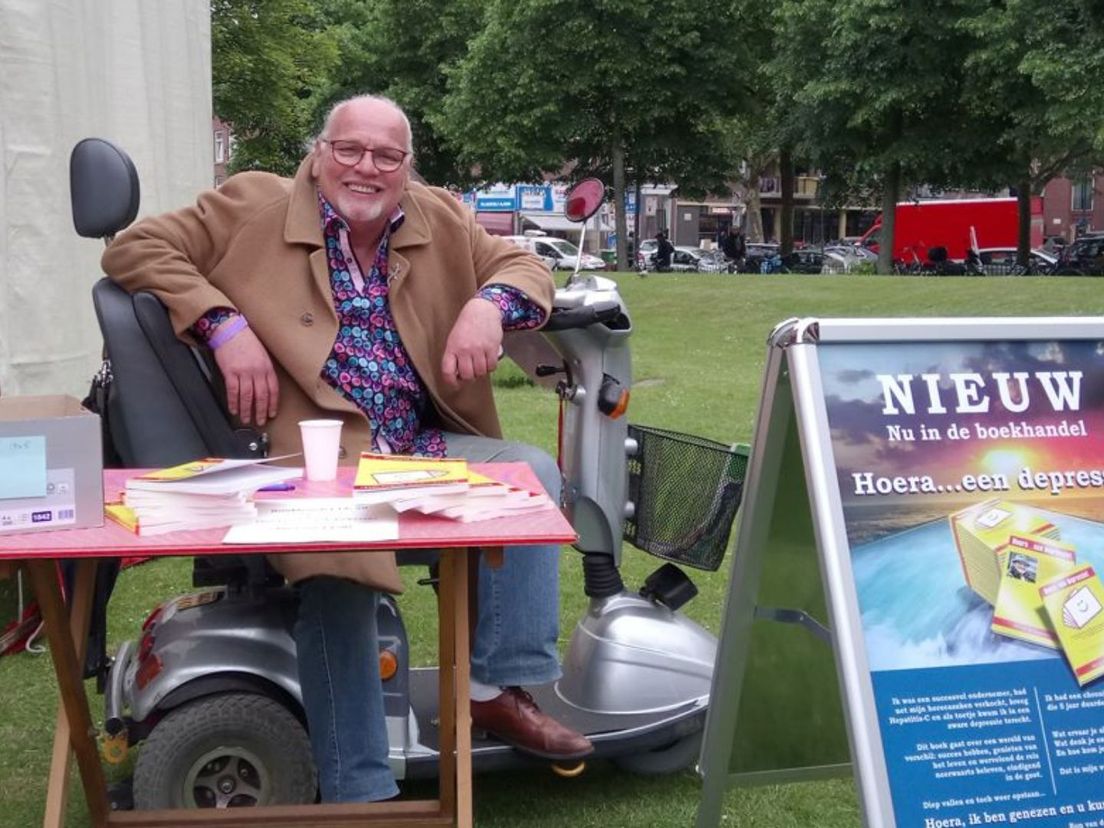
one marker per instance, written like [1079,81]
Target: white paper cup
[321,444]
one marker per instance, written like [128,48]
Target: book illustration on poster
[1032,561]
[981,534]
[1075,604]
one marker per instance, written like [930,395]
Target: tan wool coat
[255,244]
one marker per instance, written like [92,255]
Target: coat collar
[303,225]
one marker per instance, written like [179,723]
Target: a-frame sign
[949,474]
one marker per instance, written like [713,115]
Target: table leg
[80,618]
[74,703]
[454,768]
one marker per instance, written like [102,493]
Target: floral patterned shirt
[368,364]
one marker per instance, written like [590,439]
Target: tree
[874,87]
[1032,78]
[404,49]
[270,63]
[615,88]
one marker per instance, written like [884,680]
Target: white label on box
[57,508]
[22,467]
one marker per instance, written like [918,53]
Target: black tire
[672,758]
[230,750]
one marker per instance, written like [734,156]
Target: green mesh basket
[685,491]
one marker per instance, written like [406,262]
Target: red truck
[922,225]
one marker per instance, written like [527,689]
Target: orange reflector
[148,670]
[388,663]
[621,407]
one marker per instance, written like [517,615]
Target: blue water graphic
[917,611]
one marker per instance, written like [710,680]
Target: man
[734,247]
[664,249]
[352,292]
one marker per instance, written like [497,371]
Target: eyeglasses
[350,153]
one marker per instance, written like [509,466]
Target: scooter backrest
[103,188]
[164,405]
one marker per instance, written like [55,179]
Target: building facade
[1073,206]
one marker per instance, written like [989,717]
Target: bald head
[369,108]
[361,163]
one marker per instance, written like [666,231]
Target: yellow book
[981,535]
[123,515]
[191,469]
[382,477]
[1030,562]
[1075,604]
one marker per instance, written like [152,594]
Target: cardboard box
[51,465]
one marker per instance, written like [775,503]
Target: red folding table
[39,554]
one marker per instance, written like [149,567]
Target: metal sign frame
[793,403]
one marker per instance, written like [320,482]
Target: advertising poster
[971,476]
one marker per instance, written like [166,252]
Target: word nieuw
[972,393]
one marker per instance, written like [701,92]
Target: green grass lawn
[699,344]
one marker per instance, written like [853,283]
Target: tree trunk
[636,226]
[754,220]
[621,226]
[1023,203]
[889,218]
[786,173]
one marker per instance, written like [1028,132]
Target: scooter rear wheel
[230,750]
[672,758]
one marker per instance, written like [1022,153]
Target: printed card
[1075,604]
[1029,562]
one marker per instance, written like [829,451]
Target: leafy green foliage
[270,62]
[876,87]
[404,49]
[621,90]
[1031,76]
[554,81]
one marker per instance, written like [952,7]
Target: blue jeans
[335,636]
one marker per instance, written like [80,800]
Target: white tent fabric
[135,72]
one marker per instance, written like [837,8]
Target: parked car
[644,253]
[683,260]
[562,253]
[844,258]
[1082,257]
[806,260]
[1001,261]
[714,261]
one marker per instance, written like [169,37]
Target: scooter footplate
[612,735]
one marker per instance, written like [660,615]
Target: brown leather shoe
[514,718]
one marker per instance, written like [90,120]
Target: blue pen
[278,487]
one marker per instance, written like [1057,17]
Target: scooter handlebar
[561,319]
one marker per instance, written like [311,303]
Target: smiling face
[362,194]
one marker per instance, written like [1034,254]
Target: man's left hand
[474,343]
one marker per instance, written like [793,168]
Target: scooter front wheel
[226,751]
[671,758]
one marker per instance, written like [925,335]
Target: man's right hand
[251,390]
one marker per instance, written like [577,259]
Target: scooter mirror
[584,199]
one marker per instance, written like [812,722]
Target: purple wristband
[228,331]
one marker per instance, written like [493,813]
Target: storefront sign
[532,197]
[500,198]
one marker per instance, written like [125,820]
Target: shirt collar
[331,220]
